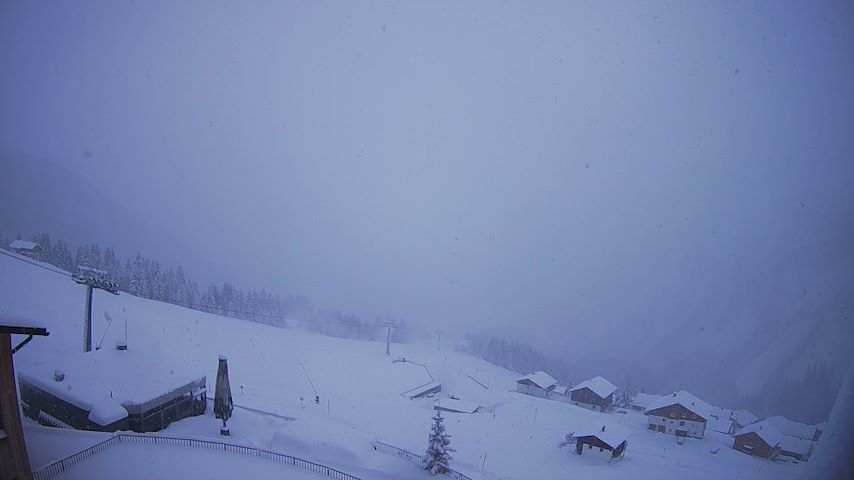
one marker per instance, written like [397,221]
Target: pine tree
[438,448]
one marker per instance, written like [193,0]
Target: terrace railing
[56,468]
[406,454]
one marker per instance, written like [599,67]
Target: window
[682,424]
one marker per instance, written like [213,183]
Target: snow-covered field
[512,436]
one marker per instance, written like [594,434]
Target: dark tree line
[144,277]
[516,356]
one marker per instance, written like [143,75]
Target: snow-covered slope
[512,436]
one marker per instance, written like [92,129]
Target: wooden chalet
[26,248]
[607,438]
[537,384]
[595,393]
[680,414]
[760,439]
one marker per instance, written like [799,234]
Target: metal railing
[403,453]
[56,468]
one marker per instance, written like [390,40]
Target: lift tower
[92,278]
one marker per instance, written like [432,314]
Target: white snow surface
[360,401]
[23,245]
[766,431]
[597,385]
[795,444]
[685,399]
[107,411]
[744,417]
[793,428]
[130,377]
[540,378]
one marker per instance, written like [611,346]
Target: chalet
[610,438]
[641,401]
[595,393]
[795,429]
[14,461]
[743,418]
[538,384]
[26,248]
[680,414]
[109,390]
[760,439]
[796,448]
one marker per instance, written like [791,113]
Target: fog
[594,179]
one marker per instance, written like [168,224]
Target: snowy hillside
[512,436]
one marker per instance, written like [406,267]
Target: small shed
[604,436]
[596,393]
[26,248]
[538,384]
[760,439]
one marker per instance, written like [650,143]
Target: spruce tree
[438,448]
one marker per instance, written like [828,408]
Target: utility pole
[439,339]
[93,279]
[389,325]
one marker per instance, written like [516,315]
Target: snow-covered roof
[107,411]
[643,399]
[540,379]
[597,385]
[793,428]
[722,425]
[422,389]
[612,433]
[131,378]
[561,390]
[744,417]
[454,405]
[795,445]
[686,399]
[23,245]
[766,431]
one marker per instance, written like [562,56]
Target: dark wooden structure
[752,444]
[14,461]
[585,395]
[760,439]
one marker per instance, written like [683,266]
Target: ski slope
[512,436]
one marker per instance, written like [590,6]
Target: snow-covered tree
[438,447]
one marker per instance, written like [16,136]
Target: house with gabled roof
[795,429]
[595,393]
[538,384]
[606,437]
[681,414]
[26,248]
[760,439]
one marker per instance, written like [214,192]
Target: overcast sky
[525,166]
